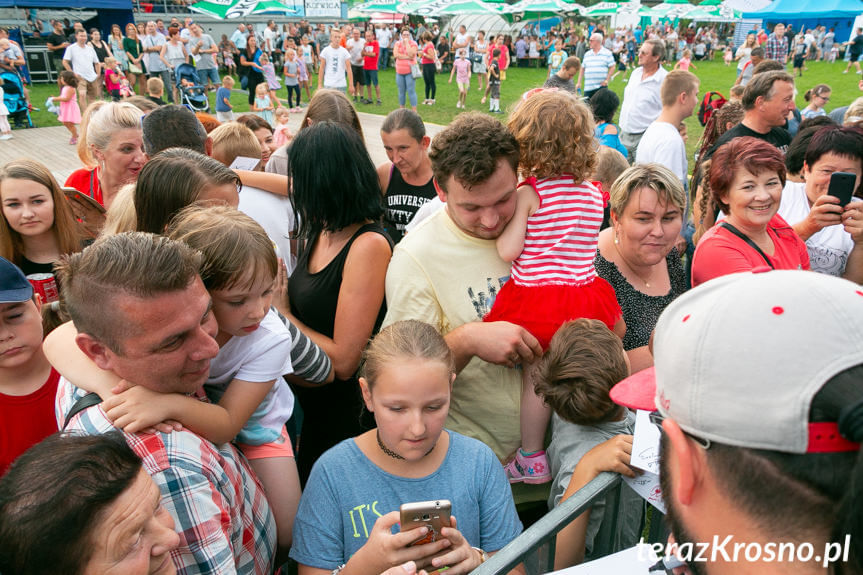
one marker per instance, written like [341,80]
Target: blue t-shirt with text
[346,493]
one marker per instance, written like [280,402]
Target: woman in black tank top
[405,141]
[337,289]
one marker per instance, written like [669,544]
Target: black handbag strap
[748,240]
[83,403]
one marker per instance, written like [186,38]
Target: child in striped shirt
[551,241]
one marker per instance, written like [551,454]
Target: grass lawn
[714,76]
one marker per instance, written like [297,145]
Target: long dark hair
[333,179]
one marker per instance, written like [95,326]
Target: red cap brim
[636,391]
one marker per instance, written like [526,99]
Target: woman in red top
[748,188]
[111,148]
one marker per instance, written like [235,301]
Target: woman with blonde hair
[37,226]
[134,51]
[637,253]
[111,148]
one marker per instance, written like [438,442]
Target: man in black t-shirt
[855,48]
[57,44]
[768,99]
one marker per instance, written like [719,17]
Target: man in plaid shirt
[142,312]
[777,45]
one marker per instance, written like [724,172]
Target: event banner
[323,9]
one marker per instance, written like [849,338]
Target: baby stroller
[16,103]
[192,94]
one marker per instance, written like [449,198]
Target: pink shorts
[280,448]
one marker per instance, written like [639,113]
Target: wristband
[338,569]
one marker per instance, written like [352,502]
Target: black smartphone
[842,187]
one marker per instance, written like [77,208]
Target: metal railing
[535,547]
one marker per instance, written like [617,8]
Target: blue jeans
[384,58]
[406,83]
[209,73]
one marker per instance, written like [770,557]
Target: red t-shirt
[370,55]
[86,181]
[720,252]
[25,420]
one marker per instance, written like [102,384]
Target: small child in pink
[685,63]
[461,68]
[551,240]
[70,113]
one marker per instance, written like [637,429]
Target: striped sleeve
[310,362]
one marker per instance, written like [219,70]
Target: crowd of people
[206,369]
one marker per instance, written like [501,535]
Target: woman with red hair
[746,179]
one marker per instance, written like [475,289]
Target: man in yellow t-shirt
[447,273]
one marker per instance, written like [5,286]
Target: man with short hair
[597,67]
[270,35]
[157,66]
[447,271]
[185,30]
[239,37]
[768,99]
[174,127]
[562,79]
[777,45]
[461,40]
[384,36]
[335,63]
[355,46]
[642,99]
[756,381]
[81,59]
[756,56]
[662,142]
[57,44]
[142,313]
[204,48]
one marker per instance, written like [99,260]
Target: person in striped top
[551,241]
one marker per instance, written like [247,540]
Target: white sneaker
[6,137]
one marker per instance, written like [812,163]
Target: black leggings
[255,78]
[291,90]
[429,72]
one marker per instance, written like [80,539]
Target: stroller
[192,94]
[13,97]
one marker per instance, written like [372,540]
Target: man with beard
[757,381]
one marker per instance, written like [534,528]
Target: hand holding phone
[434,515]
[842,187]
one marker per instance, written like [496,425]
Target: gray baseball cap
[738,359]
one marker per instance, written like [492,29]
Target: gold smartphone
[432,514]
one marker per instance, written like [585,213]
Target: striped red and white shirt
[560,241]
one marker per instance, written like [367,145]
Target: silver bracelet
[338,569]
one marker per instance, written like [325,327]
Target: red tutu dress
[553,280]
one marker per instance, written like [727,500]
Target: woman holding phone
[753,235]
[833,233]
[352,499]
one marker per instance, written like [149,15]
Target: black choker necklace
[392,453]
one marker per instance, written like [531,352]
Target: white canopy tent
[492,24]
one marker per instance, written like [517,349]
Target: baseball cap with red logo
[738,359]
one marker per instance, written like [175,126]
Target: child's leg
[281,484]
[530,464]
[535,414]
[69,126]
[5,128]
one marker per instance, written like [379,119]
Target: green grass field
[714,76]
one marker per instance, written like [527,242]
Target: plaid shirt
[218,506]
[777,48]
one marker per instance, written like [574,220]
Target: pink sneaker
[531,469]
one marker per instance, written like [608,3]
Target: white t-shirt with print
[829,248]
[336,60]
